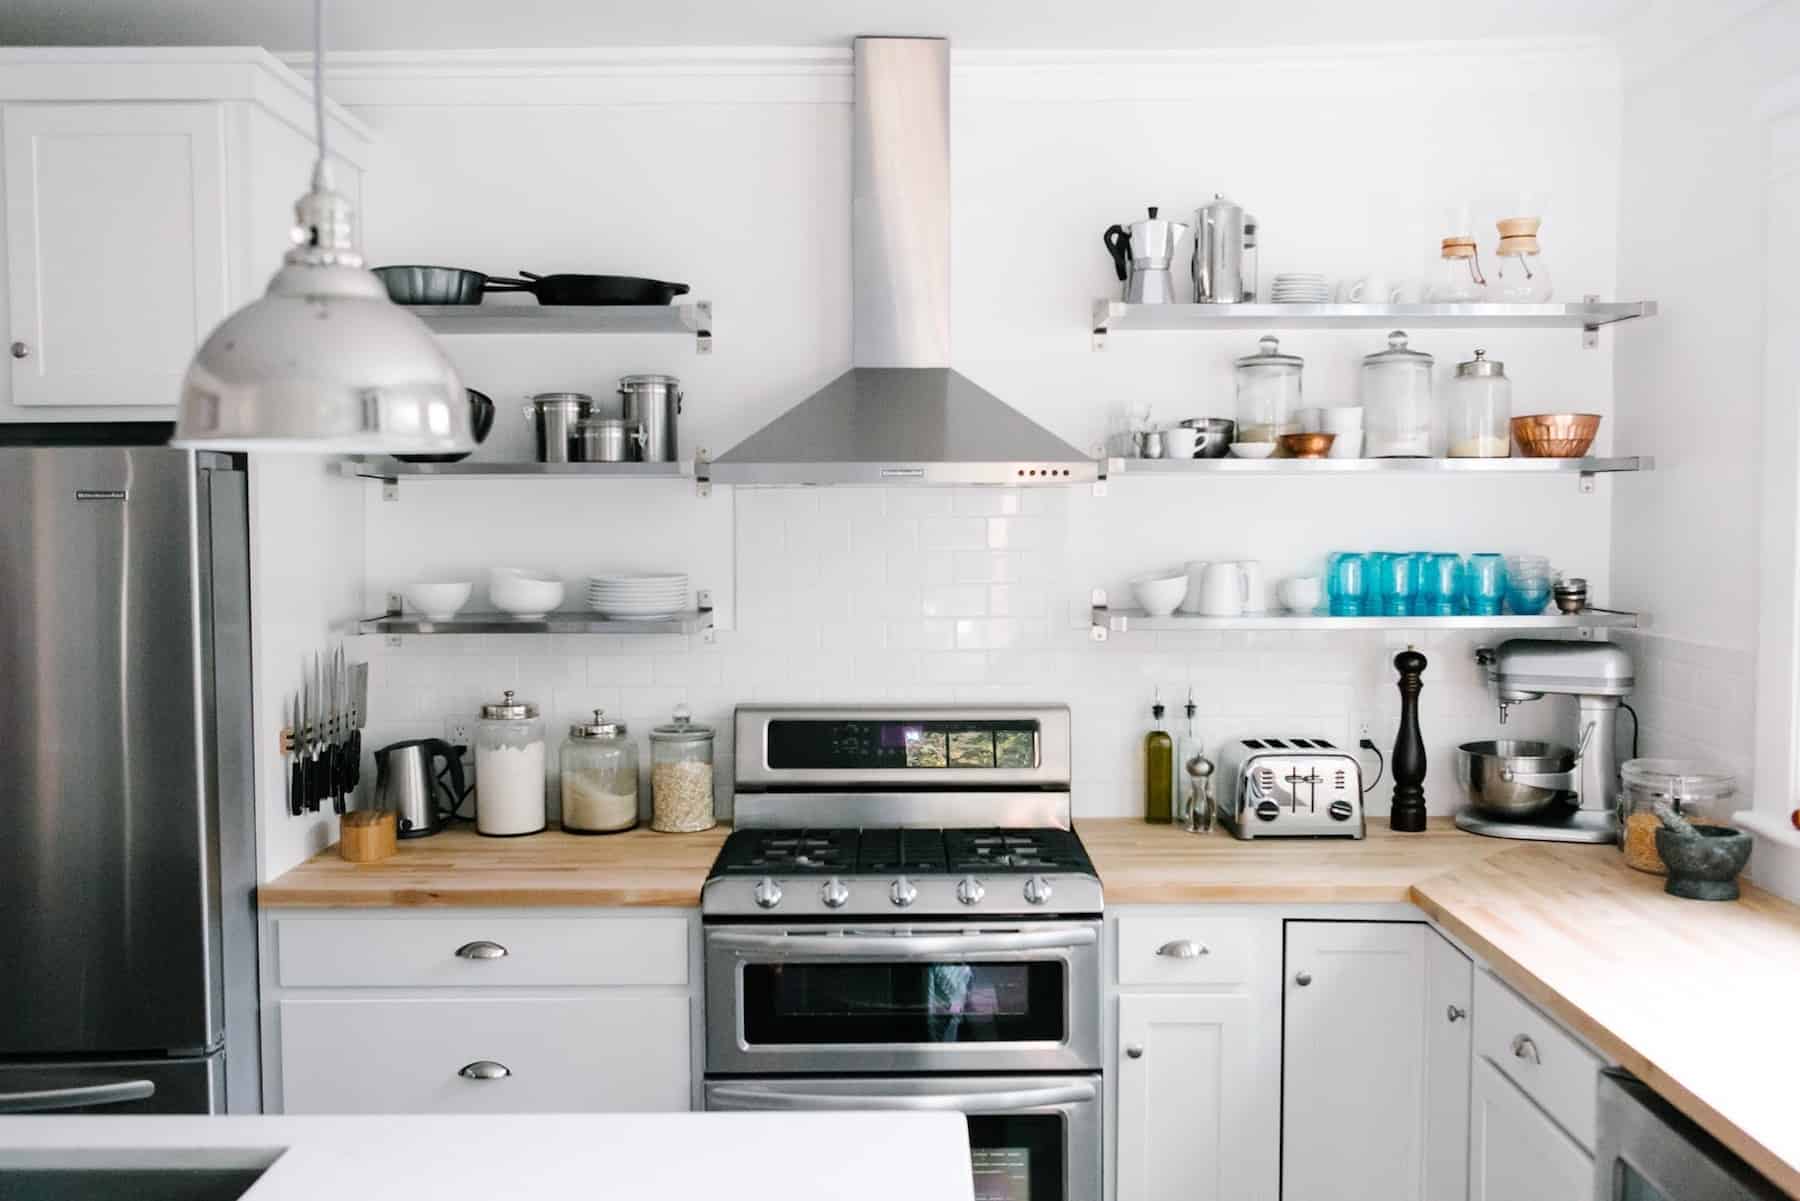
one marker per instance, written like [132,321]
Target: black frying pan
[589,289]
[432,285]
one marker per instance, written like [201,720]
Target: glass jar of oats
[681,775]
[1697,791]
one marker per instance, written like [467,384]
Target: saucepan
[1517,777]
[432,285]
[481,420]
[589,289]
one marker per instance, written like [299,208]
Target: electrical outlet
[1364,736]
[458,731]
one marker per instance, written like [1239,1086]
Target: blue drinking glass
[1398,581]
[1439,583]
[1346,583]
[1487,584]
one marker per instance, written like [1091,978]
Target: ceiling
[285,25]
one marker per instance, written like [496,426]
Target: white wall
[731,172]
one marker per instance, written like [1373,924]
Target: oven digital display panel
[800,744]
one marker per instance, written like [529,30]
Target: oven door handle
[900,946]
[751,1097]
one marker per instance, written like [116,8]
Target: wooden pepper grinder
[1408,763]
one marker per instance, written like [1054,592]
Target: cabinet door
[1449,987]
[115,242]
[1516,1153]
[1353,1062]
[1188,1096]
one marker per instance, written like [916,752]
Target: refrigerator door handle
[115,1092]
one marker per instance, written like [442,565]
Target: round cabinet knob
[1037,891]
[21,350]
[969,891]
[484,1069]
[903,892]
[1135,1051]
[834,893]
[766,894]
[1456,1013]
[1339,810]
[1268,810]
[481,949]
[1303,978]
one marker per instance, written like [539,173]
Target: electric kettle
[408,784]
[1141,253]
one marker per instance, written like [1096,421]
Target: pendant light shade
[324,361]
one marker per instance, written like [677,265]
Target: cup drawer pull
[1524,1048]
[484,1069]
[481,949]
[1183,948]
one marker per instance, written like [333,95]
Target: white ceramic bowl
[1252,450]
[523,594]
[1302,594]
[1159,594]
[439,600]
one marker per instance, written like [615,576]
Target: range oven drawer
[1031,1138]
[999,997]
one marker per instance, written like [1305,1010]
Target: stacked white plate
[1300,287]
[649,596]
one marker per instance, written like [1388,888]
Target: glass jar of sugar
[599,766]
[681,775]
[509,769]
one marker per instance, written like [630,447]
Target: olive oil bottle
[1159,769]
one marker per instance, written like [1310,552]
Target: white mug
[1301,594]
[1372,288]
[1256,595]
[1347,445]
[1180,442]
[1411,291]
[1222,591]
[1196,577]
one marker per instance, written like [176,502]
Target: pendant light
[324,361]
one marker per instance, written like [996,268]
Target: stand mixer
[1542,791]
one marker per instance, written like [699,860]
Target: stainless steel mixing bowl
[1483,769]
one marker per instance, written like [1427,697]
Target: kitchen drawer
[589,1055]
[1554,1070]
[1150,950]
[422,952]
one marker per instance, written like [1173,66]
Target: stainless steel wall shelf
[698,620]
[392,471]
[1583,469]
[1111,316]
[1106,620]
[689,318]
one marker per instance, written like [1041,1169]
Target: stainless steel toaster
[1290,788]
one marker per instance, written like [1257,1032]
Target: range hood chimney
[900,414]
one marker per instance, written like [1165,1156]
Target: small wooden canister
[366,835]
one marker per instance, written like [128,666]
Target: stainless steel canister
[653,406]
[555,415]
[602,440]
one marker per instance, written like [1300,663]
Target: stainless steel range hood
[900,414]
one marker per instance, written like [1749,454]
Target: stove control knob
[903,892]
[1340,811]
[1268,810]
[1037,891]
[834,893]
[970,891]
[766,894]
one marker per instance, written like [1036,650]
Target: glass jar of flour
[509,769]
[599,777]
[681,775]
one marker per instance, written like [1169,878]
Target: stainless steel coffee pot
[1142,253]
[1219,252]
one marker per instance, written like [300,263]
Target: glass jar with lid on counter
[599,765]
[509,769]
[681,775]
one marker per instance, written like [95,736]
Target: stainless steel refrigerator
[127,827]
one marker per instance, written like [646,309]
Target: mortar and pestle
[1703,861]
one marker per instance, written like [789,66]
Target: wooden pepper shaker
[1408,764]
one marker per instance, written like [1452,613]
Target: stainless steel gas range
[904,918]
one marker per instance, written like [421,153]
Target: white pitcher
[1256,591]
[1222,590]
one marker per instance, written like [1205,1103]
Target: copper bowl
[1306,446]
[1555,435]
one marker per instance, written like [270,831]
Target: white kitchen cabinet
[1369,1054]
[1189,1098]
[146,194]
[1516,1153]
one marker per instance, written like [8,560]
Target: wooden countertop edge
[533,896]
[1273,894]
[1523,980]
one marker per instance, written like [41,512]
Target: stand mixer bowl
[1489,774]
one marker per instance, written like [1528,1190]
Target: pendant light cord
[322,168]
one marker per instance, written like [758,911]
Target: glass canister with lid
[599,766]
[1396,397]
[509,768]
[1268,392]
[681,775]
[1698,791]
[1478,410]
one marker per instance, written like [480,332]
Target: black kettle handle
[1118,244]
[435,749]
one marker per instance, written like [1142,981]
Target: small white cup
[1411,291]
[1301,594]
[1180,442]
[1372,288]
[1346,421]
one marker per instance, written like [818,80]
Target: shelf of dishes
[1516,465]
[695,318]
[529,601]
[696,621]
[1117,316]
[380,467]
[1106,619]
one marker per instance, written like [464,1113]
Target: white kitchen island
[669,1157]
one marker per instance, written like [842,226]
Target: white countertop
[672,1157]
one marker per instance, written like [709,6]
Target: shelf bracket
[1099,618]
[703,603]
[1585,484]
[702,472]
[699,319]
[1103,311]
[390,490]
[1590,337]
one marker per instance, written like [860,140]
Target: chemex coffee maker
[1544,791]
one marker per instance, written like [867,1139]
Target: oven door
[1006,997]
[1031,1138]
